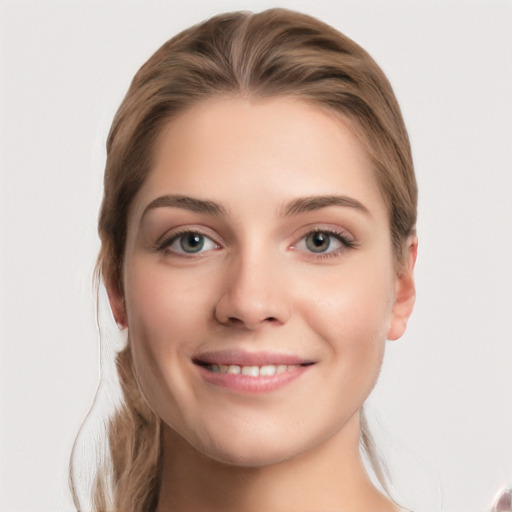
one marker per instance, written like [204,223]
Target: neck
[329,477]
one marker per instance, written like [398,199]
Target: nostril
[237,322]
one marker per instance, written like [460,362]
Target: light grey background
[444,401]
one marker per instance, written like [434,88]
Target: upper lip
[245,358]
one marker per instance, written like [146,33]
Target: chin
[255,457]
[246,448]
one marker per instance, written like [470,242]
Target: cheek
[351,313]
[163,320]
[349,300]
[163,307]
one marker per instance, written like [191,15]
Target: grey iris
[192,242]
[318,241]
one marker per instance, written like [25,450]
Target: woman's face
[259,279]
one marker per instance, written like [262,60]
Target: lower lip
[247,384]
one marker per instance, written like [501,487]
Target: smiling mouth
[249,373]
[267,370]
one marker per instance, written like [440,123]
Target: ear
[117,305]
[405,292]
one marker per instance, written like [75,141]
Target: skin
[257,286]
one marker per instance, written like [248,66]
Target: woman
[258,245]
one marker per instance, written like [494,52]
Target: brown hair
[268,54]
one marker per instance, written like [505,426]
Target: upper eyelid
[344,237]
[338,236]
[336,231]
[174,233]
[181,250]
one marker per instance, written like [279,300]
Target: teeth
[233,369]
[252,371]
[268,370]
[281,368]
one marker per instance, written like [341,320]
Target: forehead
[236,149]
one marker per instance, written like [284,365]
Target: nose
[254,294]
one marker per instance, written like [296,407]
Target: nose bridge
[253,293]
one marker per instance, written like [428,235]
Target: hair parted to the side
[269,54]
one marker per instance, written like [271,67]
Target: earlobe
[117,305]
[405,293]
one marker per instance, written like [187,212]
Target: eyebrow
[294,207]
[187,203]
[312,203]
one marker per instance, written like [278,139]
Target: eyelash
[340,235]
[167,242]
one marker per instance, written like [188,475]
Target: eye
[188,243]
[324,242]
[319,241]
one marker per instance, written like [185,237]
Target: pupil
[192,242]
[318,242]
